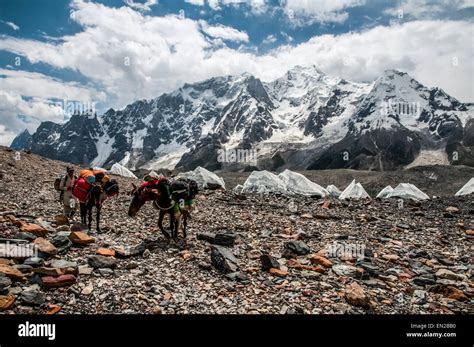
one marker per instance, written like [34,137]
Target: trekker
[67,198]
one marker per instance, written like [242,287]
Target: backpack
[57,182]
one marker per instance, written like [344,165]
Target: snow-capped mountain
[303,119]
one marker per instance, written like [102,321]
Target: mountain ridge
[297,121]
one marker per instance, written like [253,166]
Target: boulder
[99,261]
[80,238]
[355,295]
[295,248]
[56,282]
[44,246]
[269,262]
[223,259]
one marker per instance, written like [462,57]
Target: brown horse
[95,198]
[161,200]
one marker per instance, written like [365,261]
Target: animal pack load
[80,189]
[183,192]
[87,175]
[85,181]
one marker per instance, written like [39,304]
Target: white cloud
[224,32]
[37,85]
[32,96]
[6,136]
[195,2]
[141,6]
[165,52]
[428,9]
[11,25]
[304,12]
[256,6]
[269,39]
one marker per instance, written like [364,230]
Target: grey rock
[99,261]
[345,270]
[269,262]
[419,297]
[295,248]
[238,276]
[223,259]
[221,238]
[106,272]
[34,261]
[32,297]
[425,280]
[5,282]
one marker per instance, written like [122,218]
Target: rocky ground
[244,254]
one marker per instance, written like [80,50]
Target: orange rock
[278,272]
[387,302]
[317,259]
[36,230]
[252,269]
[294,264]
[80,238]
[313,268]
[356,296]
[4,261]
[390,257]
[53,309]
[470,232]
[45,246]
[61,219]
[167,296]
[107,252]
[288,231]
[321,252]
[11,272]
[454,293]
[404,277]
[326,204]
[6,301]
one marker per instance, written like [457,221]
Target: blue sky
[112,52]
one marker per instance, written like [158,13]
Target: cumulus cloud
[305,12]
[224,32]
[428,9]
[257,6]
[141,6]
[127,56]
[28,98]
[195,2]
